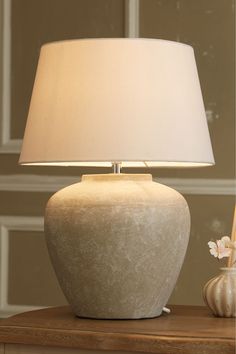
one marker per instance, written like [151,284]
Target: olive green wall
[208,26]
[26,275]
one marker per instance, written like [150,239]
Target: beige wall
[205,24]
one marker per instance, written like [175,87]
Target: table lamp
[117,241]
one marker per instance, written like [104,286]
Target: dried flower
[221,248]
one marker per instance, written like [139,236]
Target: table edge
[113,341]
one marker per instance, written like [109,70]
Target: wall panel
[208,26]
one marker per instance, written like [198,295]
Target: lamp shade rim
[124,163]
[139,39]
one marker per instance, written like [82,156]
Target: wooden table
[187,330]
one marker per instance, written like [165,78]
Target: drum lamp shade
[134,101]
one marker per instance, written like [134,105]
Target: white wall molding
[7,224]
[7,145]
[37,183]
[201,186]
[132,18]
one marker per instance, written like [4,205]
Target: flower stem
[232,258]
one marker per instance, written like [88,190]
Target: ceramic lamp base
[117,243]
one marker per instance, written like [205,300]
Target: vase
[117,243]
[219,293]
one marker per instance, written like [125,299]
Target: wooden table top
[187,330]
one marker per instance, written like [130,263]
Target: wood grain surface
[35,349]
[187,330]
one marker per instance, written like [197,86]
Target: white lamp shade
[135,101]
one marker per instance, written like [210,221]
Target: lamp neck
[116,167]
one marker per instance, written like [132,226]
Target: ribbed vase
[219,293]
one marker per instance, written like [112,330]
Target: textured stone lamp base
[117,243]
